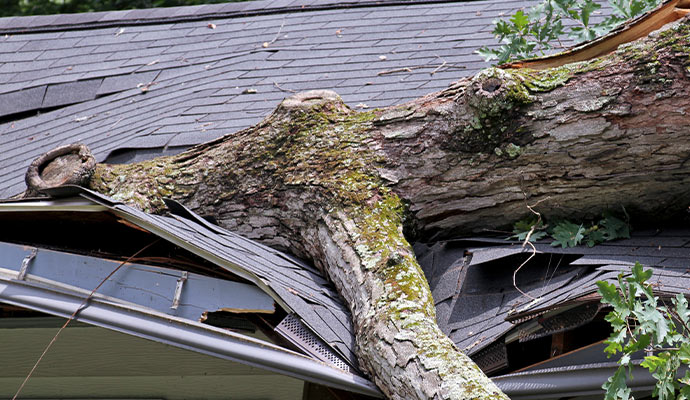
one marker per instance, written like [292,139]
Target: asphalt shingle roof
[301,287]
[170,78]
[476,302]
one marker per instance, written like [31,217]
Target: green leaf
[685,390]
[488,54]
[652,363]
[525,34]
[563,7]
[594,236]
[609,293]
[615,386]
[684,354]
[587,7]
[621,7]
[613,227]
[520,20]
[523,227]
[681,304]
[525,224]
[567,234]
[639,274]
[642,342]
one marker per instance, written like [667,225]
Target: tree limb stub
[72,164]
[338,186]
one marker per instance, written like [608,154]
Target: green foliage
[10,8]
[641,323]
[538,31]
[566,233]
[523,228]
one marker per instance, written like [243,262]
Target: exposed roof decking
[294,285]
[475,298]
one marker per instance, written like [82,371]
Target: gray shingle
[10,46]
[25,66]
[62,43]
[118,83]
[70,93]
[23,100]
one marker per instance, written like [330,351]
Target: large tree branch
[338,186]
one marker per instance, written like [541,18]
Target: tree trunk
[338,186]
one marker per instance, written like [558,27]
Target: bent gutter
[180,333]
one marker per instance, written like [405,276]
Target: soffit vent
[292,329]
[562,322]
[492,358]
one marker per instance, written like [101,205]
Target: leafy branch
[540,29]
[566,233]
[640,323]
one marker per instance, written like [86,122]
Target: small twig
[552,274]
[562,46]
[74,314]
[664,349]
[405,69]
[443,64]
[282,89]
[278,34]
[116,122]
[534,252]
[438,68]
[531,208]
[527,241]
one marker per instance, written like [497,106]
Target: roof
[295,286]
[140,83]
[478,304]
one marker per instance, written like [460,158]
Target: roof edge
[178,332]
[153,16]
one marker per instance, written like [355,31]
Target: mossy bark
[338,186]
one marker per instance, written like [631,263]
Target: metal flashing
[68,204]
[294,330]
[153,288]
[132,215]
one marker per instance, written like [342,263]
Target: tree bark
[339,187]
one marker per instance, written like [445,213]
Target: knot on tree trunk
[312,100]
[72,164]
[492,102]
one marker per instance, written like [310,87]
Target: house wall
[91,362]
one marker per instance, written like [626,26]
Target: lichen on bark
[317,162]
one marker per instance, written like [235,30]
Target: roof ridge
[152,16]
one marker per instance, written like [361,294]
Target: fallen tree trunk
[339,186]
